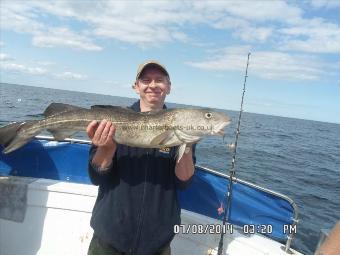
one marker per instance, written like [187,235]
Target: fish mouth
[219,129]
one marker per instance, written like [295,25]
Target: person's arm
[103,150]
[331,246]
[185,168]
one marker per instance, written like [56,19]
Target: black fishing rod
[232,168]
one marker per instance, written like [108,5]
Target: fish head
[201,122]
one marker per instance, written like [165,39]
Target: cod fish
[154,129]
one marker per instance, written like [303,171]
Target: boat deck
[56,220]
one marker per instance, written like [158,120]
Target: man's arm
[98,174]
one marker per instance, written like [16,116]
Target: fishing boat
[46,200]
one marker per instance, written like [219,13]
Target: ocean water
[298,158]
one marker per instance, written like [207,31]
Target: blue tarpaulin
[261,211]
[257,209]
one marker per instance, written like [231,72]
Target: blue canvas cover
[68,162]
[260,210]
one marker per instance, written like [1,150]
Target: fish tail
[10,137]
[8,132]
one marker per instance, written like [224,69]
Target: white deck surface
[57,222]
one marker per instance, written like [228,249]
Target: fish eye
[208,115]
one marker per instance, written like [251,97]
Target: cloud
[244,29]
[45,63]
[270,65]
[63,37]
[253,34]
[148,23]
[70,76]
[328,4]
[2,44]
[112,22]
[276,24]
[13,67]
[24,17]
[40,68]
[5,57]
[259,11]
[162,21]
[7,64]
[19,17]
[315,35]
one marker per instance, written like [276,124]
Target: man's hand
[101,135]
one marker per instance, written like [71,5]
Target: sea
[296,157]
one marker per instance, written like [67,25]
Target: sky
[96,47]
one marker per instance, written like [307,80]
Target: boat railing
[285,197]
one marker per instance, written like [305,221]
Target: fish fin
[10,137]
[162,138]
[57,108]
[61,134]
[186,137]
[180,151]
[112,107]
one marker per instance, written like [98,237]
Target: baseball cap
[151,63]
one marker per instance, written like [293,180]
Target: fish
[153,129]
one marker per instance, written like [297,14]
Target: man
[137,204]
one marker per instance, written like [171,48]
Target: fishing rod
[232,168]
